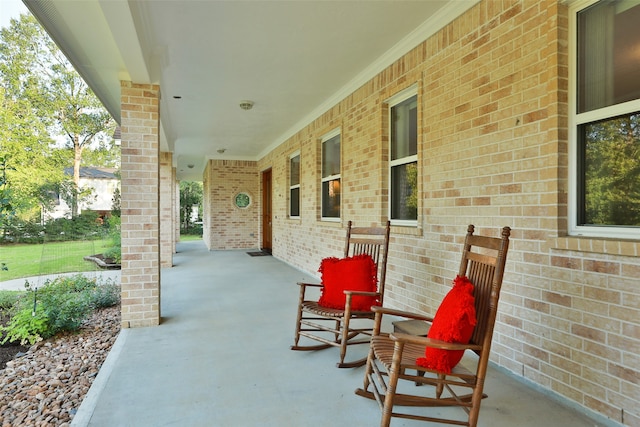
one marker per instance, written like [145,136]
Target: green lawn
[25,260]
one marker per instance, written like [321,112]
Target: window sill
[332,222]
[597,245]
[406,230]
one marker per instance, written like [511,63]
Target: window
[605,112]
[403,173]
[294,186]
[331,176]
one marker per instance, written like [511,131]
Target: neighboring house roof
[94,173]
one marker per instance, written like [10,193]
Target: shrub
[65,310]
[114,251]
[60,305]
[23,232]
[106,295]
[84,226]
[9,298]
[87,225]
[62,284]
[27,326]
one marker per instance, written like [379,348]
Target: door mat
[261,253]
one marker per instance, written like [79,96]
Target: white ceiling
[294,59]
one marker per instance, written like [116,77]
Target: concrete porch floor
[221,358]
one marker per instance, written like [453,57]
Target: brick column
[140,121]
[176,209]
[206,206]
[166,209]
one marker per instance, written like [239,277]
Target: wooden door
[266,211]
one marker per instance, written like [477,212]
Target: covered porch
[221,357]
[488,89]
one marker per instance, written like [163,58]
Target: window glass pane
[294,167]
[608,54]
[331,199]
[404,191]
[404,128]
[331,157]
[610,161]
[294,208]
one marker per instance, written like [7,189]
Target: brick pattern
[226,226]
[176,210]
[167,209]
[492,93]
[140,205]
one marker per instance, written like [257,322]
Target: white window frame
[297,186]
[575,120]
[323,179]
[392,102]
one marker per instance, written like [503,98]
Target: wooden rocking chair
[392,357]
[334,327]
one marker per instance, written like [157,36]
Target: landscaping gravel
[46,385]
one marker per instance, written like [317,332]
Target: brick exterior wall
[225,226]
[167,200]
[176,210]
[140,205]
[492,96]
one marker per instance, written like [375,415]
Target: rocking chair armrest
[362,293]
[401,313]
[304,286]
[430,342]
[315,285]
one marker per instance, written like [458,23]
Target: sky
[10,9]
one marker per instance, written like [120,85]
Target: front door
[266,211]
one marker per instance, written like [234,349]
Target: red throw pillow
[454,322]
[357,273]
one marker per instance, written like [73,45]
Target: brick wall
[492,93]
[226,226]
[167,199]
[140,205]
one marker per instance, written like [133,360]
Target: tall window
[294,186]
[605,133]
[403,174]
[331,176]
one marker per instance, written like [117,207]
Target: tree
[190,196]
[612,171]
[42,85]
[5,200]
[26,147]
[116,205]
[80,116]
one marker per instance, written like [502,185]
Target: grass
[26,260]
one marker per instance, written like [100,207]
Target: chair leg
[440,386]
[344,337]
[336,335]
[368,369]
[299,320]
[475,403]
[389,396]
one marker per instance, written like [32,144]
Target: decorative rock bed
[46,385]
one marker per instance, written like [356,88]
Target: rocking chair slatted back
[375,247]
[485,271]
